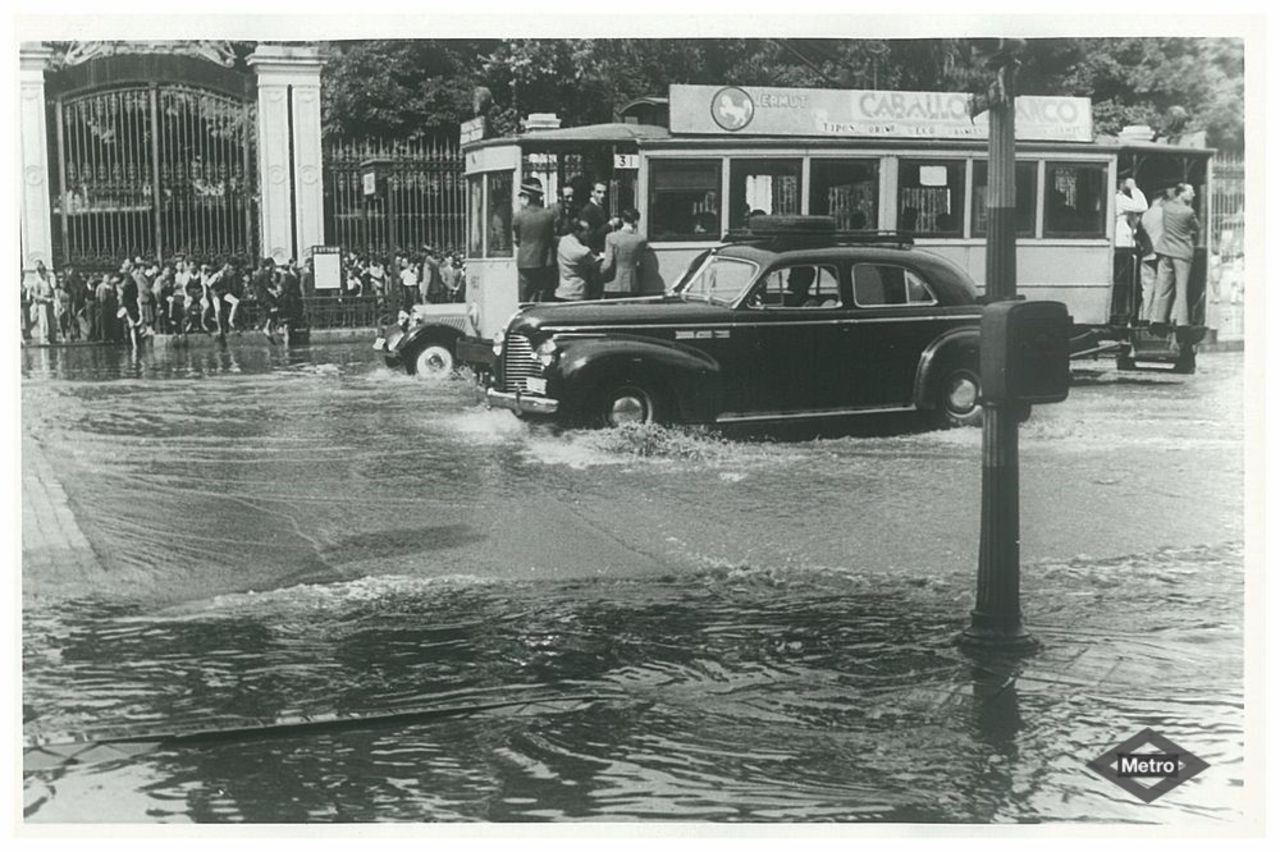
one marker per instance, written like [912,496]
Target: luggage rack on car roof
[780,233]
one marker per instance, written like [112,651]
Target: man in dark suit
[1176,249]
[593,213]
[533,233]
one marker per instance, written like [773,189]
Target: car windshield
[721,279]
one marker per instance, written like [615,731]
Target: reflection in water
[517,624]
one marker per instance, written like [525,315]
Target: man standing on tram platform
[1176,249]
[593,213]
[1130,205]
[533,233]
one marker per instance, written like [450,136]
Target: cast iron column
[997,617]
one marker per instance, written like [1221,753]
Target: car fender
[954,344]
[688,377]
[427,333]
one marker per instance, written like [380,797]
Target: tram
[701,162]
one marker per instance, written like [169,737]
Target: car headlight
[403,319]
[546,353]
[499,336]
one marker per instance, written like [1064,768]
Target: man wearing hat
[533,232]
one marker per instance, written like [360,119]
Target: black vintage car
[772,326]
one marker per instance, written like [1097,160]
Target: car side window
[881,284]
[804,285]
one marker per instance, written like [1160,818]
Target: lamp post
[996,620]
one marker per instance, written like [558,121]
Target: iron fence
[1226,225]
[422,201]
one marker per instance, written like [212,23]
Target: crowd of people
[182,295]
[1161,237]
[578,251]
[185,295]
[429,276]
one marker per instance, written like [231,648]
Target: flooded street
[452,615]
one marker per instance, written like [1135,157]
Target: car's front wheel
[433,362]
[626,403]
[958,398]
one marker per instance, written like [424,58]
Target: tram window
[1075,203]
[847,190]
[684,200]
[1024,179]
[931,197]
[498,216]
[475,204]
[762,186]
[878,285]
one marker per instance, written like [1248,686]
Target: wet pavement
[452,615]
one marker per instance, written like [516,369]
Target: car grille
[517,363]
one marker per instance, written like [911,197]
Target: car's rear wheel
[626,403]
[433,362]
[958,398]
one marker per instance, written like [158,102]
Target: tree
[400,88]
[407,88]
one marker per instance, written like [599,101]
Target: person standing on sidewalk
[62,309]
[75,302]
[533,233]
[43,305]
[407,275]
[105,310]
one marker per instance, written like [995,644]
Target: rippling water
[441,613]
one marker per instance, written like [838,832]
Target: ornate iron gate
[154,170]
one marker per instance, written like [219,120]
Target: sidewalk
[53,545]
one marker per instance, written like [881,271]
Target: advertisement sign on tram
[772,111]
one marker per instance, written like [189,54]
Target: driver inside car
[799,282]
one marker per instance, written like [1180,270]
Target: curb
[200,341]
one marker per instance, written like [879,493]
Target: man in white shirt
[1130,205]
[408,283]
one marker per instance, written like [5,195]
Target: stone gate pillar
[291,210]
[36,227]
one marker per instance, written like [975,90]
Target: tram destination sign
[854,113]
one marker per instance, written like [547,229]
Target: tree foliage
[425,87]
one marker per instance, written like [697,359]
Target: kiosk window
[931,197]
[498,216]
[1024,179]
[878,285]
[475,207]
[1075,203]
[762,186]
[847,190]
[684,200]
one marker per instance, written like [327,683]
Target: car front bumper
[521,403]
